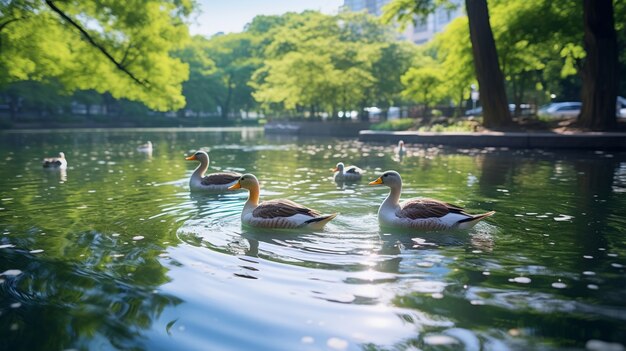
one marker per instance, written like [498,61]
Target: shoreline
[521,140]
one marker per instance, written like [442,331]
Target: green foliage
[221,68]
[403,124]
[455,126]
[423,82]
[454,52]
[395,124]
[539,43]
[320,63]
[68,42]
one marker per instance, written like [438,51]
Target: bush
[395,125]
[458,126]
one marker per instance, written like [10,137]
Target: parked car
[621,107]
[561,109]
[478,111]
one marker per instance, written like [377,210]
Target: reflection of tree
[92,282]
[497,170]
[594,205]
[576,184]
[68,300]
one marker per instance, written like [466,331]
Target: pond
[115,253]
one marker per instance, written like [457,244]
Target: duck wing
[51,162]
[282,208]
[427,208]
[353,170]
[220,178]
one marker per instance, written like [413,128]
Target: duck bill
[334,169]
[190,158]
[378,181]
[235,186]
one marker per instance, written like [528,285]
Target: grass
[395,124]
[455,126]
[447,125]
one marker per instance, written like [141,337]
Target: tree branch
[3,25]
[130,45]
[7,22]
[91,41]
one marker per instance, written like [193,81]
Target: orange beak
[235,186]
[191,158]
[378,181]
[334,169]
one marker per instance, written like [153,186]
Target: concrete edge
[542,140]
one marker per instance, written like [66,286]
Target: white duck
[214,182]
[147,147]
[420,213]
[400,150]
[350,173]
[279,213]
[55,162]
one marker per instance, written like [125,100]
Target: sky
[232,15]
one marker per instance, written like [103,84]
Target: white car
[561,109]
[621,107]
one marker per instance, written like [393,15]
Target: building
[423,30]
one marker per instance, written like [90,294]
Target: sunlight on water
[116,253]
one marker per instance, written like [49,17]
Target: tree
[490,78]
[325,64]
[538,46]
[423,83]
[454,52]
[393,60]
[235,62]
[113,46]
[197,89]
[600,69]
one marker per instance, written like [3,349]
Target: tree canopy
[125,44]
[295,64]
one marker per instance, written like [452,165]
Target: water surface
[115,253]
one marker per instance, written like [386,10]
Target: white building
[423,30]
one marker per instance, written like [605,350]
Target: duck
[349,173]
[420,213]
[55,162]
[147,147]
[400,150]
[278,213]
[214,182]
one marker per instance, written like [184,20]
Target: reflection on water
[115,253]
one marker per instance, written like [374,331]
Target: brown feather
[282,208]
[427,208]
[220,178]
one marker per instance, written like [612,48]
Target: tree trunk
[490,79]
[600,72]
[459,106]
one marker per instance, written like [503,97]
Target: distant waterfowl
[147,147]
[214,182]
[349,173]
[420,213]
[55,162]
[400,150]
[279,213]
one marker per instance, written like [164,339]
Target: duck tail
[319,222]
[471,221]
